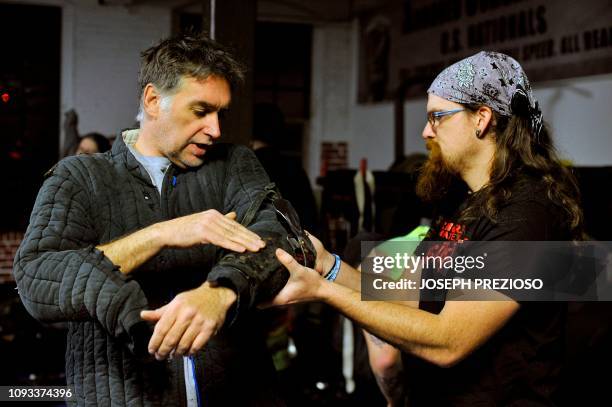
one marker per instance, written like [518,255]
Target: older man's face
[187,127]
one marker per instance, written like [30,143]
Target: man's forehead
[435,103]
[209,92]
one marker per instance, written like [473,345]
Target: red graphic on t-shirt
[442,249]
[453,231]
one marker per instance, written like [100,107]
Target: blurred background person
[288,174]
[90,143]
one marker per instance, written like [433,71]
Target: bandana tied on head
[492,79]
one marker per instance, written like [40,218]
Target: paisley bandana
[492,79]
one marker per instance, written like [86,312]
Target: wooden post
[232,23]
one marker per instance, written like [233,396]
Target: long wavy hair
[518,151]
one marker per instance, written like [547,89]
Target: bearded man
[484,128]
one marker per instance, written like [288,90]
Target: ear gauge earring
[478,133]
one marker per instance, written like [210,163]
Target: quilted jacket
[61,276]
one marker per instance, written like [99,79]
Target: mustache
[435,176]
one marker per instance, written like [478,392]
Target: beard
[436,175]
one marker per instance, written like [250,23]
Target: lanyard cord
[193,370]
[195,380]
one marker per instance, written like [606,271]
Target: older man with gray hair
[146,235]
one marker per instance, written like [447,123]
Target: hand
[304,283]
[184,325]
[325,260]
[210,227]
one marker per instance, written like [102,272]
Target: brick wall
[9,242]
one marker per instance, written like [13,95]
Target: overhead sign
[405,44]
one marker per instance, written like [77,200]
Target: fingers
[172,338]
[281,299]
[229,234]
[199,342]
[286,260]
[162,327]
[241,234]
[192,332]
[210,227]
[316,242]
[324,260]
[153,315]
[312,238]
[185,338]
[185,324]
[219,239]
[295,268]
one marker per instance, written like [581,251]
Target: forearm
[226,297]
[392,386]
[412,330]
[386,364]
[130,252]
[349,277]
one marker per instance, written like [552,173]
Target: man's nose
[213,127]
[428,131]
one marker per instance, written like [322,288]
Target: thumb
[315,242]
[152,315]
[231,215]
[286,259]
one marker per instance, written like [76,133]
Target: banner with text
[405,43]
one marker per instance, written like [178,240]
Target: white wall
[580,114]
[578,110]
[100,49]
[106,55]
[331,105]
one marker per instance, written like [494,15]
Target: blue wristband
[333,273]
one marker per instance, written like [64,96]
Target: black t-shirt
[521,363]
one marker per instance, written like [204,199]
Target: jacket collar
[122,154]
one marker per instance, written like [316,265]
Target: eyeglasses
[302,247]
[434,117]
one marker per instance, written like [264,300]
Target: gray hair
[186,55]
[164,104]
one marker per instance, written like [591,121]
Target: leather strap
[270,192]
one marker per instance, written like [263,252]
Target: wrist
[158,235]
[226,296]
[329,260]
[333,272]
[323,290]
